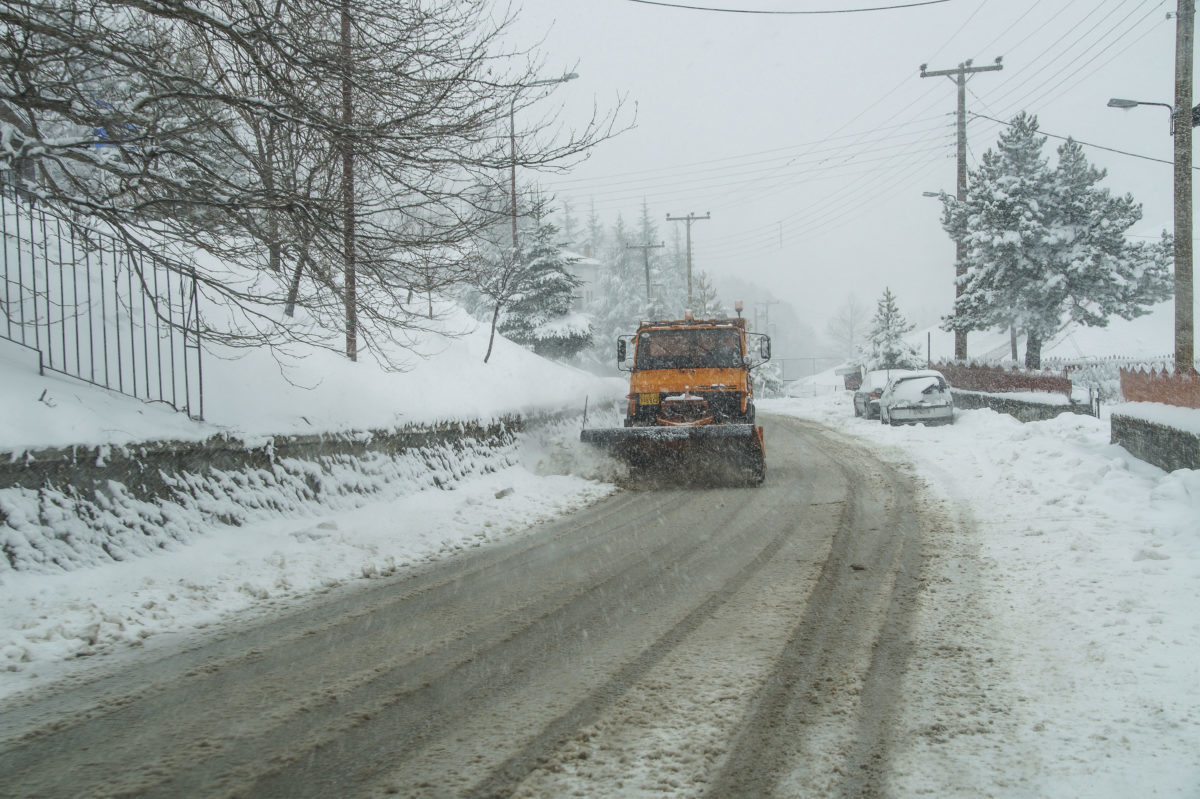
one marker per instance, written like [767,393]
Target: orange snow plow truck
[691,399]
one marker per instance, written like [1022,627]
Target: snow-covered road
[1056,645]
[673,640]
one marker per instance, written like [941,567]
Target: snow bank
[1185,419]
[261,392]
[369,521]
[1087,581]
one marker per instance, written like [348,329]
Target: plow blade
[714,451]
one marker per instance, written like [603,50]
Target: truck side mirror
[620,350]
[764,348]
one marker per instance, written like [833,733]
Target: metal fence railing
[98,309]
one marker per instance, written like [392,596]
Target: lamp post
[512,143]
[1184,324]
[1185,353]
[1117,102]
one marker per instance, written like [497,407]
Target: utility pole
[646,248]
[689,219]
[1185,353]
[766,313]
[959,76]
[347,147]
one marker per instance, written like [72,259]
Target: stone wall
[1165,447]
[1020,409]
[67,507]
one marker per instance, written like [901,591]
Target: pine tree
[620,290]
[539,316]
[570,225]
[886,347]
[1041,244]
[704,297]
[1003,227]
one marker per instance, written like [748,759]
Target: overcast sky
[810,138]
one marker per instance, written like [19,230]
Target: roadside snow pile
[91,522]
[259,392]
[1185,419]
[1089,585]
[273,561]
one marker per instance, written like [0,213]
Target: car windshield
[689,349]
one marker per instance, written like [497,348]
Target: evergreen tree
[886,347]
[1040,243]
[539,315]
[704,297]
[620,291]
[768,380]
[594,239]
[570,225]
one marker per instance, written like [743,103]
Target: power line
[1084,143]
[784,13]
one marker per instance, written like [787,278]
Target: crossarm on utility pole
[689,219]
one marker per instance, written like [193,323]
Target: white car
[914,397]
[866,398]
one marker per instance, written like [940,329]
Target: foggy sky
[810,139]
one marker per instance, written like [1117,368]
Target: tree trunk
[1033,350]
[492,337]
[1012,341]
[294,286]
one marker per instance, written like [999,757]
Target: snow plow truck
[691,400]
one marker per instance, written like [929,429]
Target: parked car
[917,397]
[866,397]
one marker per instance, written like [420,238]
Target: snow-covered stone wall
[1156,441]
[1026,406]
[65,508]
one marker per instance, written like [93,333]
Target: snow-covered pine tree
[886,347]
[570,226]
[594,239]
[657,303]
[1093,270]
[620,292]
[1040,243]
[768,380]
[704,298]
[1004,230]
[540,316]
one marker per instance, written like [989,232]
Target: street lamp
[512,142]
[1117,102]
[1184,325]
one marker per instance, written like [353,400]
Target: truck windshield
[689,349]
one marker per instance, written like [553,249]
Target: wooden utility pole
[689,219]
[959,76]
[1185,353]
[766,315]
[348,187]
[646,248]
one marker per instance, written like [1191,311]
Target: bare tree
[325,167]
[848,325]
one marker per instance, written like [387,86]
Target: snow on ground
[1087,579]
[1083,563]
[51,619]
[257,392]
